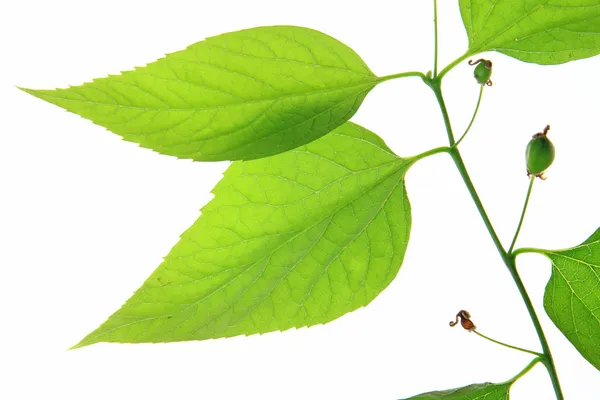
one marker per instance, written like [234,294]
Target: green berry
[483,71]
[540,153]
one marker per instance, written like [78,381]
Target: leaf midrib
[374,81]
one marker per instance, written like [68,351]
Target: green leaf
[536,31]
[572,297]
[238,96]
[291,240]
[480,391]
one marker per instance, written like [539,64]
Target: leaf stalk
[402,75]
[452,65]
[524,250]
[525,370]
[437,150]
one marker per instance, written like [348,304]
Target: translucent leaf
[537,31]
[291,240]
[572,297]
[240,95]
[479,391]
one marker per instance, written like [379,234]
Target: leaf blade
[572,296]
[292,240]
[478,391]
[241,95]
[540,31]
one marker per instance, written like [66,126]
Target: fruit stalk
[514,241]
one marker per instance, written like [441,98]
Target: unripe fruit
[483,71]
[540,153]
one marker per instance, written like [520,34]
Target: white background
[85,217]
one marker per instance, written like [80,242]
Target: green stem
[436,86]
[402,75]
[508,345]
[435,24]
[525,370]
[507,258]
[462,169]
[548,360]
[472,119]
[514,241]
